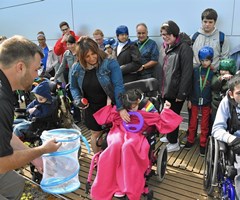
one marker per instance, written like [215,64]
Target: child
[41,107]
[126,157]
[109,48]
[226,69]
[200,98]
[226,127]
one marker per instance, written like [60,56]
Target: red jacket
[60,47]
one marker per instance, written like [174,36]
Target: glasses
[41,39]
[65,29]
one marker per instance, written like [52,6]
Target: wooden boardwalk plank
[183,180]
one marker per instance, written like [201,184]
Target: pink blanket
[122,164]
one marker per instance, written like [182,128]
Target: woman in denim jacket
[96,78]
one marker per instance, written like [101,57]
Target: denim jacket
[109,76]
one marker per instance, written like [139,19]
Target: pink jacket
[122,164]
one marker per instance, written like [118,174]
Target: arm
[186,64]
[23,154]
[135,63]
[219,130]
[62,66]
[74,87]
[59,47]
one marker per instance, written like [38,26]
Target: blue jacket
[43,109]
[109,76]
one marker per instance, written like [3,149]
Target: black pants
[176,107]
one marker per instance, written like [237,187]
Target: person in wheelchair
[41,107]
[126,158]
[226,127]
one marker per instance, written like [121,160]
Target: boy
[226,70]
[200,98]
[41,107]
[226,127]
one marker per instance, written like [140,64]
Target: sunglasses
[65,29]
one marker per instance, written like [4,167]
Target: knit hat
[172,28]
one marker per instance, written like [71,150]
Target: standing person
[128,55]
[61,45]
[19,57]
[149,52]
[50,61]
[99,38]
[226,70]
[177,67]
[96,74]
[226,125]
[209,35]
[69,58]
[200,98]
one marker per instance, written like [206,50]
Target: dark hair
[233,82]
[210,13]
[63,24]
[71,39]
[84,45]
[130,97]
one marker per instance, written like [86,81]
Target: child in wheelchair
[122,165]
[226,127]
[42,107]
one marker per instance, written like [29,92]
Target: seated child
[41,107]
[226,127]
[126,157]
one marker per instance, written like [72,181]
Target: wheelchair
[219,171]
[60,118]
[157,155]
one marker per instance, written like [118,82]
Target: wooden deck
[183,178]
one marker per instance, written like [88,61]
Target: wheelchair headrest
[145,85]
[52,86]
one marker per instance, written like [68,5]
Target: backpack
[221,38]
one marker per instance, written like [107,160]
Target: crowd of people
[193,68]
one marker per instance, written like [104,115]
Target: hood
[200,30]
[185,38]
[43,90]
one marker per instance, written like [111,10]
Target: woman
[176,60]
[95,77]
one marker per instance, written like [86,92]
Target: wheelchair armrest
[222,146]
[20,110]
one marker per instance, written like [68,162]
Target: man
[99,38]
[19,64]
[209,35]
[61,45]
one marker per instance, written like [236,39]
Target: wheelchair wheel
[162,163]
[210,165]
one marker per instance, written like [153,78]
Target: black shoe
[202,151]
[188,145]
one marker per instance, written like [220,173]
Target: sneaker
[188,145]
[173,147]
[119,194]
[202,151]
[183,141]
[163,139]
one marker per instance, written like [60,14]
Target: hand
[38,163]
[178,100]
[235,145]
[167,104]
[31,110]
[189,104]
[64,38]
[227,76]
[50,146]
[124,115]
